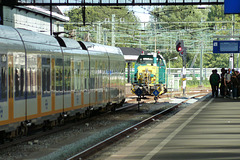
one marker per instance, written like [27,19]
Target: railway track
[134,128]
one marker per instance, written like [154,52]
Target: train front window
[145,60]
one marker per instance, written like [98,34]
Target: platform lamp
[174,58]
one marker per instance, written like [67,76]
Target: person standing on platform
[214,81]
[222,87]
[227,83]
[238,79]
[234,84]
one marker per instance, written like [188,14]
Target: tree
[225,28]
[175,21]
[103,16]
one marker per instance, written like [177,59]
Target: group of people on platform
[229,83]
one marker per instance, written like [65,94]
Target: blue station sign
[226,46]
[231,6]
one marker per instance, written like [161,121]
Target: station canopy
[110,2]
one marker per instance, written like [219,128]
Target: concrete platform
[207,130]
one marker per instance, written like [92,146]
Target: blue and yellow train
[150,75]
[45,79]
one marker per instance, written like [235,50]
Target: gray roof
[131,51]
[131,54]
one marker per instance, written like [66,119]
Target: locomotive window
[160,62]
[3,81]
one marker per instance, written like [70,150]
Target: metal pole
[184,82]
[201,64]
[128,72]
[51,29]
[155,50]
[233,27]
[113,29]
[169,67]
[1,15]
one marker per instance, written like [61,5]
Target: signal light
[181,54]
[179,49]
[179,45]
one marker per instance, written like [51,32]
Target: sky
[140,11]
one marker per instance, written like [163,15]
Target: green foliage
[193,82]
[100,17]
[179,14]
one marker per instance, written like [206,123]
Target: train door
[3,89]
[46,84]
[19,85]
[59,84]
[99,81]
[53,84]
[32,85]
[77,83]
[92,98]
[67,82]
[86,74]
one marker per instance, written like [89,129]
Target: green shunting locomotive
[150,75]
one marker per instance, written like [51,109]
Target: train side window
[31,83]
[77,79]
[67,79]
[43,80]
[59,75]
[46,81]
[19,82]
[3,81]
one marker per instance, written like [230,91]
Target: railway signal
[180,47]
[182,52]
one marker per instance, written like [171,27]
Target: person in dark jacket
[238,79]
[234,81]
[222,86]
[214,81]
